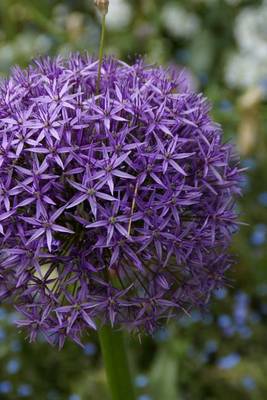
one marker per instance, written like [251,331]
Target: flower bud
[102,5]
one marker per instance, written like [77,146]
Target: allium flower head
[114,209]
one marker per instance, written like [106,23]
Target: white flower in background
[244,71]
[119,14]
[24,46]
[233,2]
[179,22]
[251,30]
[248,67]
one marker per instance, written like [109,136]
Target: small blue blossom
[2,334]
[262,199]
[221,293]
[241,308]
[226,105]
[5,387]
[13,317]
[249,163]
[229,361]
[245,332]
[261,289]
[263,86]
[225,321]
[211,346]
[248,383]
[195,316]
[203,78]
[13,366]
[258,237]
[245,183]
[144,397]
[162,335]
[74,397]
[89,349]
[141,381]
[24,390]
[3,314]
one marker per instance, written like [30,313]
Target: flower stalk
[102,5]
[112,342]
[116,362]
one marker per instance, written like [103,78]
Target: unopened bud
[102,5]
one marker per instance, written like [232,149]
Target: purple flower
[114,209]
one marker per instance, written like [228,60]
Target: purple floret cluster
[115,208]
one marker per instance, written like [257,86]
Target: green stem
[112,342]
[116,363]
[101,51]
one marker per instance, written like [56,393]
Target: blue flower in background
[211,346]
[141,381]
[262,199]
[5,387]
[249,163]
[263,86]
[144,397]
[74,397]
[24,390]
[162,335]
[245,183]
[13,366]
[89,349]
[258,237]
[241,308]
[203,78]
[13,317]
[220,294]
[2,334]
[262,289]
[224,321]
[245,332]
[3,314]
[248,383]
[229,361]
[195,316]
[226,105]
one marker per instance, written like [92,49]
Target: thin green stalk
[112,342]
[116,364]
[101,52]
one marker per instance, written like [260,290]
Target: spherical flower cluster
[115,208]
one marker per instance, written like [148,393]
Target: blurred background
[222,354]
